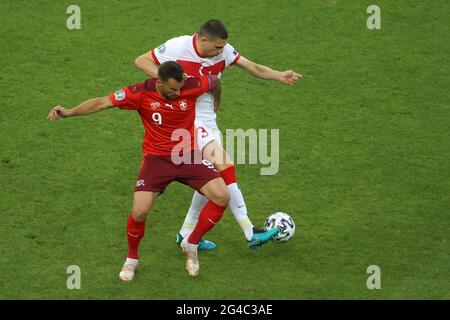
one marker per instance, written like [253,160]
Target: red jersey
[161,116]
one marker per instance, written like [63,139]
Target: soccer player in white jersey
[207,52]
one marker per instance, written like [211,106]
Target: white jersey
[184,51]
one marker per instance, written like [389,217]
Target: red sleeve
[208,82]
[236,59]
[127,98]
[196,86]
[154,57]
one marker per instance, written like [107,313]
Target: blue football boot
[202,245]
[261,237]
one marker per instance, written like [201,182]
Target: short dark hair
[213,29]
[170,70]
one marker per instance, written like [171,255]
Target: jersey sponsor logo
[119,95]
[235,52]
[161,49]
[169,105]
[155,105]
[140,183]
[183,105]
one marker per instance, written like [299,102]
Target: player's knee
[221,197]
[139,212]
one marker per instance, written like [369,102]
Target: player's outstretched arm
[87,107]
[146,64]
[287,77]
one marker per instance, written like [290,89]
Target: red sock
[135,232]
[209,216]
[229,175]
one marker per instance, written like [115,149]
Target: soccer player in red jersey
[208,52]
[166,106]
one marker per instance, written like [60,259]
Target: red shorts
[157,172]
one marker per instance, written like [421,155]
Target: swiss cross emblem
[183,105]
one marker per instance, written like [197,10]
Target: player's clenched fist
[289,77]
[58,112]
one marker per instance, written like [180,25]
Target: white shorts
[207,132]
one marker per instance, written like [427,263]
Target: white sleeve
[168,51]
[230,55]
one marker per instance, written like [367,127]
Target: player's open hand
[289,77]
[58,112]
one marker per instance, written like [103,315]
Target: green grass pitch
[364,151]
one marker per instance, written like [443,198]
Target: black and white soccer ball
[284,222]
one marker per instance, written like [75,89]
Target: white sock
[131,261]
[239,209]
[197,204]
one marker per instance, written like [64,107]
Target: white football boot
[127,273]
[190,250]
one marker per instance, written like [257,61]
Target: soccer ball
[284,222]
